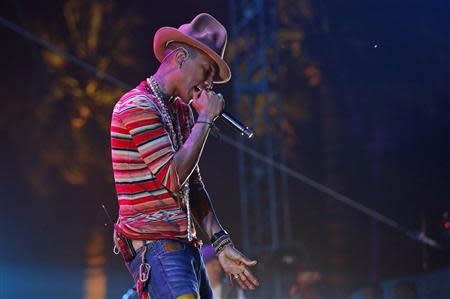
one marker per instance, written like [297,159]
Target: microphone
[234,123]
[237,125]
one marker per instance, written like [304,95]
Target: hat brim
[169,34]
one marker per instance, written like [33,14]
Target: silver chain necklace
[177,142]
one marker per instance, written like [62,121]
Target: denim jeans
[172,273]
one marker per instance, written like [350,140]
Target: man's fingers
[245,278]
[250,277]
[248,262]
[242,259]
[246,281]
[240,283]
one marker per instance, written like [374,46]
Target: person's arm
[203,211]
[232,261]
[187,157]
[208,106]
[143,122]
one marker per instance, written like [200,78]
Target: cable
[330,192]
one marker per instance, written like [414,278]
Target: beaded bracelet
[218,248]
[220,240]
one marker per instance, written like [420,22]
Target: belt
[139,243]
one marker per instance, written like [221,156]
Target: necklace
[177,141]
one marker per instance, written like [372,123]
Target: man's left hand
[234,263]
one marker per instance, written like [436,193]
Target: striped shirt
[147,184]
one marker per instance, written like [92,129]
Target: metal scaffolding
[263,192]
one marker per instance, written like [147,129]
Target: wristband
[222,247]
[220,241]
[210,124]
[217,235]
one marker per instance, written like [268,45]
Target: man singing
[156,146]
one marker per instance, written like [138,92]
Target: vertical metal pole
[241,168]
[253,32]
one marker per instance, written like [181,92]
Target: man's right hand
[208,105]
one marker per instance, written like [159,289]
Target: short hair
[192,51]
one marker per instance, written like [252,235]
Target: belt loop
[144,268]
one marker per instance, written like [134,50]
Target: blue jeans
[173,272]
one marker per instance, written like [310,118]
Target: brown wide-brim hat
[204,33]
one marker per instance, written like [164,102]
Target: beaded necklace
[176,136]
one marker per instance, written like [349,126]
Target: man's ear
[181,56]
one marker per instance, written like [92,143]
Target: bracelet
[218,248]
[222,248]
[220,241]
[217,235]
[210,124]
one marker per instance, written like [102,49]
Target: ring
[236,276]
[220,95]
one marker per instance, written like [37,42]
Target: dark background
[374,125]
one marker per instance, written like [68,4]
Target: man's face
[197,74]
